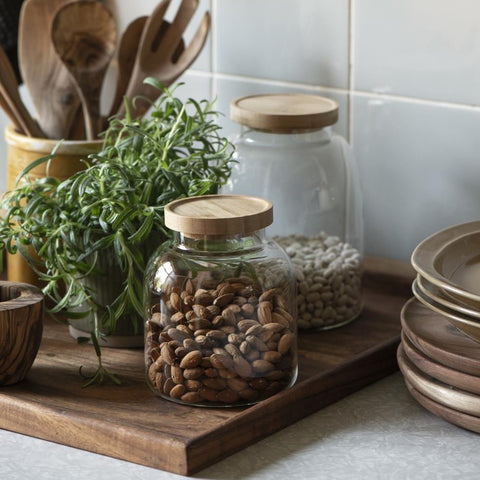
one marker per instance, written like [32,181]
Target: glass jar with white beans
[287,153]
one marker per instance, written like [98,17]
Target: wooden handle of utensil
[9,92]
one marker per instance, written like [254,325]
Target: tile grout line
[351,71]
[358,93]
[213,50]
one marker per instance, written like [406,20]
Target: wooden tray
[130,423]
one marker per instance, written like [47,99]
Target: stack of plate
[439,355]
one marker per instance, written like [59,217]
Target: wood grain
[11,96]
[468,422]
[21,324]
[130,423]
[127,53]
[437,338]
[435,390]
[84,35]
[464,381]
[49,84]
[161,52]
[218,215]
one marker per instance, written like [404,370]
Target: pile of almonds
[228,343]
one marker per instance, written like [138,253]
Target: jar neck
[260,137]
[219,244]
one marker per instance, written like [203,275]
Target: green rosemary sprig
[115,204]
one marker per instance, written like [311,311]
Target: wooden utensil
[15,107]
[10,114]
[51,88]
[127,51]
[158,52]
[84,35]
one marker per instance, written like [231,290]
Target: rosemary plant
[116,203]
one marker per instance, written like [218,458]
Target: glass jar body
[220,321]
[312,179]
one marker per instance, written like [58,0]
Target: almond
[262,366]
[175,301]
[267,295]
[285,343]
[191,397]
[223,299]
[242,367]
[191,359]
[177,391]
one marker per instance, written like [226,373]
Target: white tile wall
[425,49]
[297,41]
[406,74]
[420,169]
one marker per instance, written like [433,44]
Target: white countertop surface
[380,432]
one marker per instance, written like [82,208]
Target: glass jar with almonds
[220,305]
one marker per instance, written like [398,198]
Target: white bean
[328,273]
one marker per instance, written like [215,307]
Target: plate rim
[436,390]
[423,255]
[445,357]
[456,378]
[455,318]
[454,417]
[444,301]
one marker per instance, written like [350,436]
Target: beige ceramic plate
[450,259]
[440,340]
[437,391]
[442,297]
[467,325]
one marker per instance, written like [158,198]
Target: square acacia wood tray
[130,423]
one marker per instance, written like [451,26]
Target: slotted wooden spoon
[158,52]
[49,84]
[84,35]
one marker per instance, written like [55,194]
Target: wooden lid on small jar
[218,215]
[284,113]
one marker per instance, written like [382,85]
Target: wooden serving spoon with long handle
[14,106]
[158,53]
[84,35]
[49,84]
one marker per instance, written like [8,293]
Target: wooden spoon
[158,53]
[51,88]
[84,35]
[127,52]
[15,107]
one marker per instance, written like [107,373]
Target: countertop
[379,432]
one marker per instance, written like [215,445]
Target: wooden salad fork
[162,55]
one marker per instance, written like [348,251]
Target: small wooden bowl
[21,327]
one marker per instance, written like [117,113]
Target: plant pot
[107,288]
[21,152]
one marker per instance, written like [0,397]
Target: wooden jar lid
[216,215]
[284,113]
